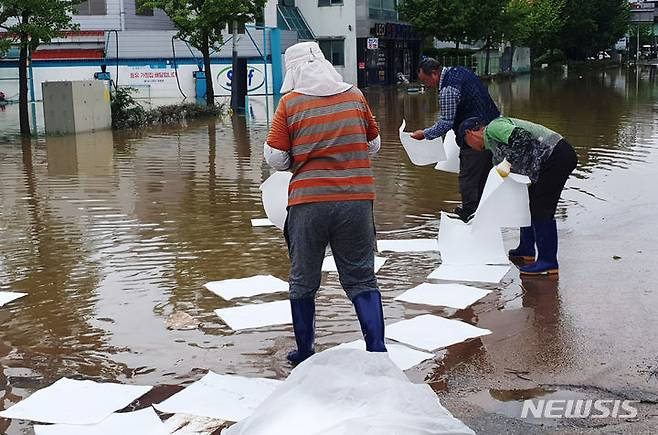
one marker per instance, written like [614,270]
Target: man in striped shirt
[324,132]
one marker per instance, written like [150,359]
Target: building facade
[364,39]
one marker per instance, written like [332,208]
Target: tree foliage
[201,22]
[30,23]
[591,26]
[580,28]
[447,20]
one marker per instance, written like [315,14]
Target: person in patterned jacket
[548,160]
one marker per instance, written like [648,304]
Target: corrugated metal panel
[159,20]
[111,21]
[288,38]
[157,45]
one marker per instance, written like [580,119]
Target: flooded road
[110,234]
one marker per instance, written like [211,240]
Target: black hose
[173,50]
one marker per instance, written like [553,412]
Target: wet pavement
[110,234]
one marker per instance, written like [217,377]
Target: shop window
[333,50]
[90,7]
[141,10]
[330,2]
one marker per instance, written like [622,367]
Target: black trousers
[545,193]
[474,167]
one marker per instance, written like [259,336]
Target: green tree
[446,20]
[200,23]
[535,23]
[592,25]
[31,23]
[489,21]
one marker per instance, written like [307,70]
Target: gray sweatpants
[348,227]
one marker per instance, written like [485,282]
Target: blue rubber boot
[546,239]
[303,323]
[369,310]
[526,249]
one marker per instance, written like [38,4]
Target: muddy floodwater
[112,233]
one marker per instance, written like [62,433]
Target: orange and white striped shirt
[327,138]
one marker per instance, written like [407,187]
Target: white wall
[270,13]
[149,80]
[334,21]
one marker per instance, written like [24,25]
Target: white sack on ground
[275,197]
[349,391]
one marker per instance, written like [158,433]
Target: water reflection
[110,240]
[84,154]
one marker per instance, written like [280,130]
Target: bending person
[324,132]
[548,160]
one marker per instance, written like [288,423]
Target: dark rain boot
[546,239]
[526,249]
[369,310]
[303,323]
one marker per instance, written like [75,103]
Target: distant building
[364,39]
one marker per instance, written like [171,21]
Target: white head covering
[309,73]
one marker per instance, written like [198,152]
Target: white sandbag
[505,202]
[349,391]
[451,164]
[275,197]
[422,152]
[460,243]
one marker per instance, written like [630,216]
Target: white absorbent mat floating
[68,401]
[142,422]
[407,245]
[6,297]
[256,315]
[275,197]
[402,356]
[443,295]
[348,391]
[459,243]
[470,273]
[451,164]
[422,152]
[261,222]
[329,264]
[247,287]
[222,397]
[430,332]
[504,203]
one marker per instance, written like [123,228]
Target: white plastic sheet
[329,264]
[421,152]
[504,203]
[408,245]
[275,197]
[430,332]
[261,222]
[256,315]
[470,273]
[349,391]
[6,297]
[142,422]
[444,295]
[68,401]
[247,287]
[222,397]
[451,164]
[402,356]
[460,243]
